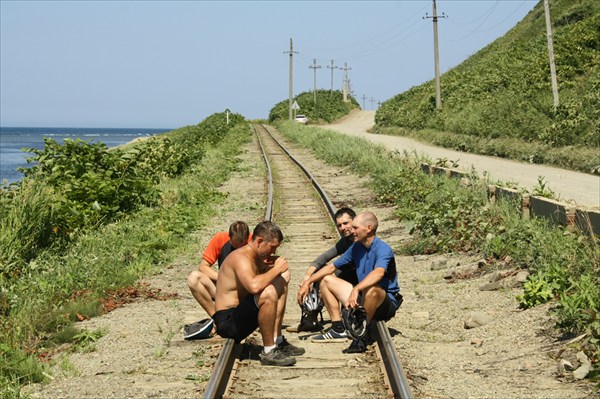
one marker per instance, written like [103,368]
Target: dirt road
[572,187]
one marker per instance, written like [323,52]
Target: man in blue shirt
[377,290]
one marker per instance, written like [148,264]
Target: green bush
[329,107]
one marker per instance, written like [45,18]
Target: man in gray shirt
[343,221]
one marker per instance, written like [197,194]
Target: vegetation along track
[304,214]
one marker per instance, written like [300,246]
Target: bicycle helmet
[313,301]
[355,321]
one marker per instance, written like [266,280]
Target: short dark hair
[239,232]
[267,230]
[340,212]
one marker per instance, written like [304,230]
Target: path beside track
[572,187]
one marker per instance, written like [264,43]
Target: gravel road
[576,188]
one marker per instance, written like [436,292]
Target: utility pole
[332,68]
[346,82]
[291,52]
[436,56]
[364,97]
[378,104]
[372,101]
[315,67]
[551,54]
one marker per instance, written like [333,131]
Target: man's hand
[281,264]
[352,300]
[303,291]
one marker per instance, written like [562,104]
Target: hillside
[504,90]
[329,106]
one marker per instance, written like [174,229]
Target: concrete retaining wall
[587,221]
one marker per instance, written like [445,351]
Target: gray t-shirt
[340,247]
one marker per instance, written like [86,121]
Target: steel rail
[395,375]
[217,384]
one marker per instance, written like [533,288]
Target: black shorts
[386,310]
[347,273]
[238,322]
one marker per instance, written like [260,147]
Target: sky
[167,64]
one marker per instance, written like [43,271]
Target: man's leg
[334,292]
[203,289]
[267,314]
[372,299]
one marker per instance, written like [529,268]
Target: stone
[439,264]
[583,370]
[476,319]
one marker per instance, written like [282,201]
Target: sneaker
[199,330]
[276,358]
[330,336]
[357,346]
[290,350]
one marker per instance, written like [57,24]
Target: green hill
[329,106]
[504,90]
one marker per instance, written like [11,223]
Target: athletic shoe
[290,350]
[357,346]
[330,336]
[199,330]
[276,358]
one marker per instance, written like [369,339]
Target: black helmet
[355,321]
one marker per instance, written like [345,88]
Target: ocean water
[14,139]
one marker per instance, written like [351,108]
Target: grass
[73,282]
[447,217]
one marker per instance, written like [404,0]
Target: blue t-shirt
[366,260]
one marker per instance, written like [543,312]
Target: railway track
[304,213]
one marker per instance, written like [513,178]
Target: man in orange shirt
[202,282]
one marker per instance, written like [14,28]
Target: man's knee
[268,295]
[194,279]
[374,295]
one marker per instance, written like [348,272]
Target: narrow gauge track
[304,213]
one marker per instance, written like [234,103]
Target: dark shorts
[347,273]
[238,322]
[386,310]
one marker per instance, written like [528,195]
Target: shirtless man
[252,292]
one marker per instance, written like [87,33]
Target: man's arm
[206,268]
[370,280]
[255,282]
[324,271]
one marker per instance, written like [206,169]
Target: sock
[279,340]
[268,349]
[337,326]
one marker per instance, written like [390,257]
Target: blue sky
[154,64]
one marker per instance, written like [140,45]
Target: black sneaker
[198,330]
[290,350]
[276,358]
[357,346]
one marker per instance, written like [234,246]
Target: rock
[477,342]
[510,282]
[439,264]
[463,272]
[565,365]
[583,370]
[476,319]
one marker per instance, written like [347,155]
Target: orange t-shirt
[213,249]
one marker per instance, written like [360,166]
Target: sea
[14,139]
